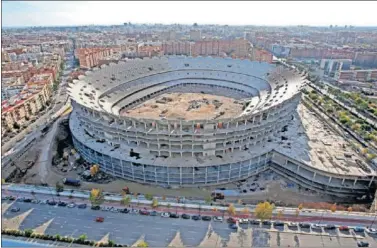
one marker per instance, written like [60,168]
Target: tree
[59,187]
[149,197]
[2,180]
[264,210]
[154,203]
[83,237]
[142,244]
[333,208]
[126,201]
[94,170]
[110,243]
[231,209]
[349,209]
[164,198]
[280,214]
[28,232]
[301,206]
[168,206]
[297,212]
[208,199]
[246,211]
[96,197]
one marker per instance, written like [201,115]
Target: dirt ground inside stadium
[186,106]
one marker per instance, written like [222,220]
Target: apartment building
[358,75]
[90,57]
[18,110]
[261,55]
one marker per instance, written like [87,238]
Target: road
[19,142]
[159,232]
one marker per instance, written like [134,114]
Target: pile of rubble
[100,177]
[195,104]
[164,100]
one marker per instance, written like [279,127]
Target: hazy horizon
[19,14]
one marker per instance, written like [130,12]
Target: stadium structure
[194,121]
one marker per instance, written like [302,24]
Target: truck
[70,181]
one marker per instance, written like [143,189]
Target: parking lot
[127,228]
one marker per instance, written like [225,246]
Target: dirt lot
[188,106]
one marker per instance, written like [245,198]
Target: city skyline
[23,14]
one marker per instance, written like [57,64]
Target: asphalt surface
[158,231]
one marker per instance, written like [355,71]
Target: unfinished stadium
[185,121]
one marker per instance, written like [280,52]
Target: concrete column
[206,175]
[343,180]
[121,166]
[180,175]
[218,173]
[230,169]
[144,172]
[155,174]
[167,171]
[354,182]
[329,180]
[133,173]
[193,174]
[239,176]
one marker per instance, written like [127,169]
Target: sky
[69,13]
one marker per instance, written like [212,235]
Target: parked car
[233,226]
[316,227]
[266,222]
[20,199]
[243,221]
[82,206]
[71,205]
[292,224]
[15,210]
[100,219]
[371,230]
[232,220]
[278,223]
[254,222]
[195,217]
[62,204]
[153,213]
[362,244]
[173,215]
[206,218]
[11,198]
[304,225]
[115,210]
[44,202]
[165,215]
[134,211]
[218,219]
[125,211]
[329,227]
[144,212]
[95,207]
[35,201]
[185,216]
[344,228]
[27,200]
[51,203]
[359,229]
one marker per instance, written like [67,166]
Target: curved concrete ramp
[15,222]
[42,228]
[141,239]
[211,239]
[176,241]
[104,240]
[5,207]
